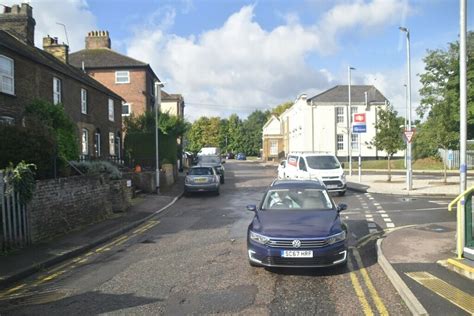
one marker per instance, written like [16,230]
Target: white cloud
[75,14]
[240,66]
[391,84]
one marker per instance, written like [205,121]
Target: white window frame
[129,108]
[85,142]
[6,76]
[111,144]
[339,114]
[57,89]
[97,143]
[354,109]
[340,141]
[84,101]
[120,75]
[273,147]
[355,141]
[111,110]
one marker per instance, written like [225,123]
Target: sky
[236,56]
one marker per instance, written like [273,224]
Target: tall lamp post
[409,166]
[462,95]
[158,86]
[349,135]
[406,122]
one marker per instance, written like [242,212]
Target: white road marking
[376,204]
[390,225]
[384,215]
[382,211]
[387,220]
[369,215]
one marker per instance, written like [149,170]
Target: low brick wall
[65,204]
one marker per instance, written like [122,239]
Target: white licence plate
[200,180]
[331,186]
[297,253]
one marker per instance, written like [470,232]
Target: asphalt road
[191,259]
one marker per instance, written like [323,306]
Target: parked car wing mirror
[252,208]
[341,207]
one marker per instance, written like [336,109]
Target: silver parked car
[202,179]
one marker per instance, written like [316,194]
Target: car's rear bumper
[328,256]
[201,187]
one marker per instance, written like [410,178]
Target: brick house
[28,73]
[128,77]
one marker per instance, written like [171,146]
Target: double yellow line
[366,307]
[71,264]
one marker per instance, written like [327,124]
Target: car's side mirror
[252,208]
[341,207]
[342,165]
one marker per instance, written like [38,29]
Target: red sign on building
[359,117]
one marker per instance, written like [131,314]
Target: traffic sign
[358,125]
[409,135]
[362,128]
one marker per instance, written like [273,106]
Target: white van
[312,165]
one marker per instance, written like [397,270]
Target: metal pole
[312,128]
[157,105]
[409,154]
[405,127]
[349,140]
[462,96]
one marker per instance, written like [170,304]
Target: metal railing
[14,228]
[460,200]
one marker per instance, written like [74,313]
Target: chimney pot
[97,39]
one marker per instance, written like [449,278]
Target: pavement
[21,263]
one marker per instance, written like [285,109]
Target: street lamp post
[406,122]
[158,86]
[409,166]
[349,135]
[462,95]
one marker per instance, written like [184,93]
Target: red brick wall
[35,81]
[137,92]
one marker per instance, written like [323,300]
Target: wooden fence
[14,229]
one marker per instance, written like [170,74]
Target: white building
[320,123]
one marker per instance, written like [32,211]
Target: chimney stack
[60,51]
[18,21]
[98,39]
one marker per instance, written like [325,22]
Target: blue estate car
[297,224]
[241,156]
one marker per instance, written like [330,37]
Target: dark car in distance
[241,156]
[230,156]
[297,224]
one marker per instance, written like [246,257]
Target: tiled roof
[102,58]
[339,94]
[169,96]
[39,56]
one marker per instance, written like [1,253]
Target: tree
[204,133]
[279,109]
[439,102]
[252,132]
[388,134]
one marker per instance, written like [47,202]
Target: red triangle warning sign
[409,135]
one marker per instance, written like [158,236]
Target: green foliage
[61,126]
[22,178]
[389,133]
[252,132]
[278,110]
[440,98]
[204,133]
[98,168]
[34,143]
[168,124]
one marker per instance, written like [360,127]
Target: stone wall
[65,204]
